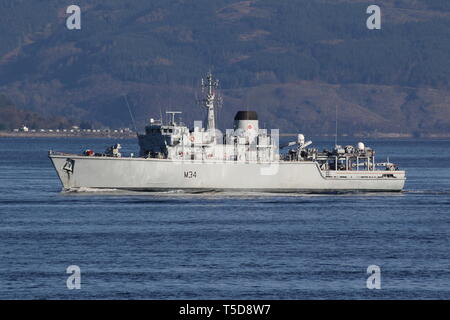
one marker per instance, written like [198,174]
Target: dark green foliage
[5,101]
[172,41]
[246,44]
[85,125]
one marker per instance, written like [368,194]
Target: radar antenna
[172,117]
[209,86]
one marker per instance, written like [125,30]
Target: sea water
[176,245]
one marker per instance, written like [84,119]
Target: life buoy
[249,127]
[192,138]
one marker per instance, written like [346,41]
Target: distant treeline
[13,118]
[125,44]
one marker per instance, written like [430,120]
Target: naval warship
[173,157]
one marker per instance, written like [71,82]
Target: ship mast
[209,85]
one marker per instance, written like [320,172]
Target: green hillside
[292,61]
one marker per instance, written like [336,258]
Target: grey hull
[198,176]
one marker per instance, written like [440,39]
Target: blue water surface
[222,245]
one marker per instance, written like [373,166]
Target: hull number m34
[190,174]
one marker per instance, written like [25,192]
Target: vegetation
[13,118]
[156,50]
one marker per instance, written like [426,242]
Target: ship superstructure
[173,156]
[175,141]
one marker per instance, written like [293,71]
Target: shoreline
[117,135]
[129,135]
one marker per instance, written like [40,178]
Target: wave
[428,192]
[89,190]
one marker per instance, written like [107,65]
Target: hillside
[292,61]
[13,117]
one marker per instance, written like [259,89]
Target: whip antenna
[131,113]
[336,133]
